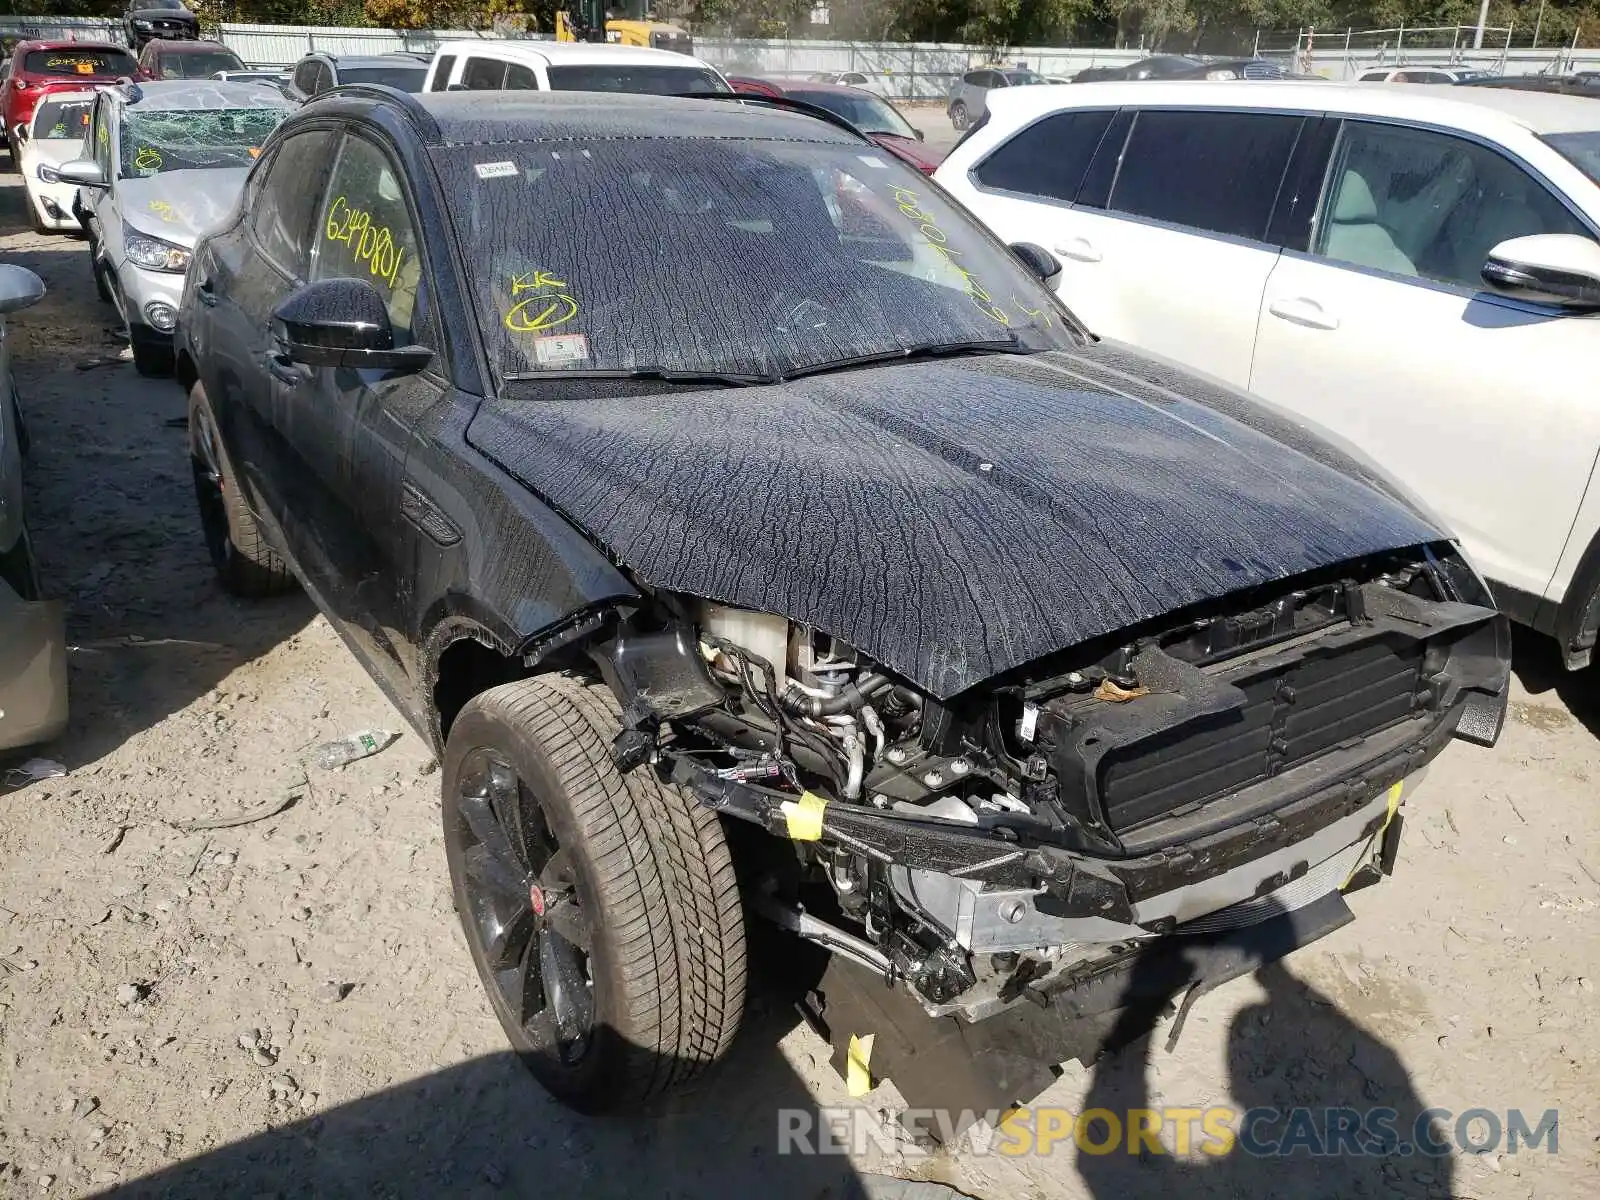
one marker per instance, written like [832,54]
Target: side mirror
[1038,260]
[921,137]
[342,323]
[1555,268]
[84,172]
[19,287]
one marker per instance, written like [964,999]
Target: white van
[568,66]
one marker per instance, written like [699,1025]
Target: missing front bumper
[1011,1058]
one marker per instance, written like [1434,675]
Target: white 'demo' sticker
[495,170]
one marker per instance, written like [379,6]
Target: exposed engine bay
[1204,771]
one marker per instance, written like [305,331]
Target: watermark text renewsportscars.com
[1215,1131]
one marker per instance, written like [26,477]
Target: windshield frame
[912,332]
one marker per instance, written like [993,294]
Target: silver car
[968,94]
[162,163]
[33,643]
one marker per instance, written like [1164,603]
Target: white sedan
[1414,268]
[54,136]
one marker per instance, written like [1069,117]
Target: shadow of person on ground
[1536,659]
[485,1128]
[1292,1059]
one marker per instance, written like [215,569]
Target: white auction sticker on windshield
[873,162]
[561,349]
[495,170]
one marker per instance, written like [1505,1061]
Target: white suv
[568,66]
[1416,269]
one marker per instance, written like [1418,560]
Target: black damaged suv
[694,475]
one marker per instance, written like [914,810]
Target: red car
[872,115]
[39,68]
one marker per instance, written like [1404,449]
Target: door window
[441,76]
[102,139]
[1415,202]
[1048,158]
[483,74]
[520,78]
[289,199]
[1216,171]
[305,77]
[365,232]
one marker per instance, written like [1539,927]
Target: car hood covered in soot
[952,520]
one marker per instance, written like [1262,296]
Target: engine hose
[850,698]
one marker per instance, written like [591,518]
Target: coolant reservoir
[760,633]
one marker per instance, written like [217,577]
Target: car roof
[69,97]
[1481,110]
[164,95]
[398,58]
[189,45]
[68,44]
[564,53]
[533,116]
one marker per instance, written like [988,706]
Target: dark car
[145,20]
[872,115]
[1177,66]
[317,73]
[40,68]
[749,531]
[1580,84]
[162,59]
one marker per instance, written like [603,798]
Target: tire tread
[670,899]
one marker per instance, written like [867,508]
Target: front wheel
[98,269]
[601,909]
[959,116]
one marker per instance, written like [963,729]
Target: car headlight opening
[154,254]
[48,174]
[161,315]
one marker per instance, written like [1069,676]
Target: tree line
[1169,25]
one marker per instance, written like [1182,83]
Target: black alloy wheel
[602,910]
[526,913]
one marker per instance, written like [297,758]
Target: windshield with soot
[749,257]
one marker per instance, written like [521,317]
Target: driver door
[346,431]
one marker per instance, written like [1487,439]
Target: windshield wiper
[728,378]
[1010,344]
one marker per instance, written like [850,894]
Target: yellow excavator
[588,21]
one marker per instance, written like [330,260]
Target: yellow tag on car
[804,816]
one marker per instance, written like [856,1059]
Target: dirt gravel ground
[287,1008]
